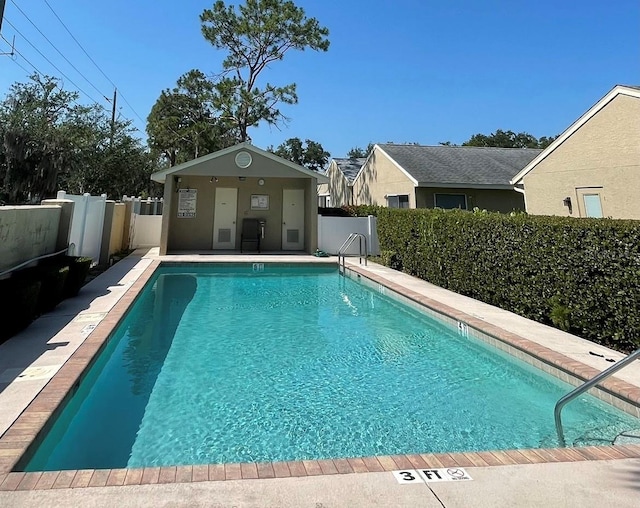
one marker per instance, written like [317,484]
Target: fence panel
[145,230]
[87,224]
[142,206]
[333,231]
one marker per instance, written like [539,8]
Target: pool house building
[218,201]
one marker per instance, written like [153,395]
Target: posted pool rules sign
[449,474]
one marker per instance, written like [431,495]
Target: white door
[224,218]
[292,219]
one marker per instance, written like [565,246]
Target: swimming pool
[230,365]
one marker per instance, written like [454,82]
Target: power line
[92,60]
[76,41]
[20,65]
[23,57]
[34,67]
[59,52]
[50,62]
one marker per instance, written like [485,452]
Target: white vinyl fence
[86,224]
[145,231]
[145,206]
[146,221]
[333,231]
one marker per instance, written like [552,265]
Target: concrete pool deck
[592,476]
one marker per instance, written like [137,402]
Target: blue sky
[402,71]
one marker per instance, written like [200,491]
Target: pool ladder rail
[342,251]
[585,386]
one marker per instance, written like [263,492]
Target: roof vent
[243,159]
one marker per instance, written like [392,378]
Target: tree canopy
[257,34]
[356,152]
[184,123]
[508,139]
[312,156]
[49,142]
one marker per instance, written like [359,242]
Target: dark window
[398,201]
[324,201]
[451,201]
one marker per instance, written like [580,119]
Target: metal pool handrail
[25,263]
[585,386]
[347,243]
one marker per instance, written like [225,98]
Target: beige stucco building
[593,168]
[207,199]
[339,190]
[414,176]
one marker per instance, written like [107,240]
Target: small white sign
[449,474]
[259,201]
[88,329]
[187,203]
[408,476]
[90,316]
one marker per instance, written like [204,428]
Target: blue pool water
[220,364]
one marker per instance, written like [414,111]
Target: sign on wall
[259,201]
[187,203]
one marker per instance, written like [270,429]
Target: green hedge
[580,275]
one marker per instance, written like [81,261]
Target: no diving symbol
[444,475]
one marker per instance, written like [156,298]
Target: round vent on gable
[243,159]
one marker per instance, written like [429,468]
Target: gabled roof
[192,166]
[349,167]
[459,166]
[632,91]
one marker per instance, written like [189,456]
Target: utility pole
[113,112]
[2,2]
[13,44]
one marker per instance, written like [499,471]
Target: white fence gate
[146,222]
[333,231]
[145,231]
[86,224]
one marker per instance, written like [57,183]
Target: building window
[590,201]
[398,201]
[592,205]
[450,201]
[324,201]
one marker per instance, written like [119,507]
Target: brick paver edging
[220,472]
[31,425]
[626,392]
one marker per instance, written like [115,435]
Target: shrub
[52,291]
[582,275]
[360,210]
[52,279]
[18,304]
[333,212]
[77,274]
[78,271]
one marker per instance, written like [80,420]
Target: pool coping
[29,427]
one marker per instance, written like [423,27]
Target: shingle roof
[350,167]
[463,165]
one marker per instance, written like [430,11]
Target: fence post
[83,223]
[374,243]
